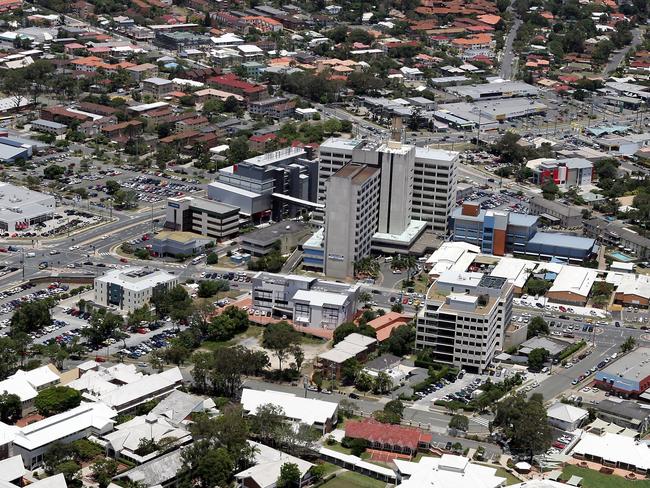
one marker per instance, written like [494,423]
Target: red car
[405,301]
[124,260]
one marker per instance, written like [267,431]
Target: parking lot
[504,200]
[67,221]
[150,189]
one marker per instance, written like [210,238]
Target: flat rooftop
[268,235]
[276,156]
[634,366]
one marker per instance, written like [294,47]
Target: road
[508,58]
[618,55]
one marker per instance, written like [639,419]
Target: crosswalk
[481,421]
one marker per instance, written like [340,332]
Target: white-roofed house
[40,378]
[566,417]
[267,465]
[179,406]
[34,440]
[572,285]
[23,389]
[12,470]
[446,471]
[318,414]
[614,450]
[130,440]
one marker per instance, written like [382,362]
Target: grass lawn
[594,479]
[353,480]
[339,448]
[252,331]
[329,468]
[501,472]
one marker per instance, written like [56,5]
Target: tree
[53,172]
[10,408]
[238,150]
[349,371]
[628,344]
[279,338]
[174,302]
[212,258]
[459,422]
[536,358]
[228,324]
[207,289]
[125,199]
[56,399]
[536,327]
[401,340]
[524,422]
[391,413]
[365,298]
[102,326]
[142,253]
[289,476]
[268,422]
[31,317]
[103,471]
[382,384]
[395,407]
[343,330]
[176,353]
[363,382]
[140,315]
[330,126]
[8,357]
[537,287]
[112,187]
[550,190]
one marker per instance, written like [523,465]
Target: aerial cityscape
[326,243]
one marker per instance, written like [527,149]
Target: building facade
[130,288]
[201,216]
[464,318]
[352,216]
[307,301]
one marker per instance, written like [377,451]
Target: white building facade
[130,288]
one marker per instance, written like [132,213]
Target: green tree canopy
[56,399]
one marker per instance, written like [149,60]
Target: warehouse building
[21,207]
[496,89]
[629,375]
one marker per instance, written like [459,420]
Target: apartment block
[464,318]
[201,216]
[352,217]
[309,302]
[130,288]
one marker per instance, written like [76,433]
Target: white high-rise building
[464,318]
[423,179]
[352,214]
[434,187]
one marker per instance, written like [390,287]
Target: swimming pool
[619,256]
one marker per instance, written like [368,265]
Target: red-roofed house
[233,84]
[260,143]
[385,324]
[388,437]
[9,5]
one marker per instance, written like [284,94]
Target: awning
[549,217]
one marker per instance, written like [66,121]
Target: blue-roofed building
[548,245]
[498,232]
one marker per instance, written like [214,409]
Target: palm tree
[365,298]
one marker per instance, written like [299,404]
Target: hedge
[571,349]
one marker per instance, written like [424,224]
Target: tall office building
[435,180]
[424,180]
[352,214]
[464,318]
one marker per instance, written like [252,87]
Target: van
[31,254]
[389,259]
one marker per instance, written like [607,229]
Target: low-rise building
[615,234]
[157,87]
[34,440]
[386,437]
[448,470]
[572,285]
[49,127]
[564,172]
[267,465]
[614,450]
[555,212]
[202,216]
[354,346]
[21,207]
[319,414]
[628,375]
[308,301]
[566,417]
[624,413]
[281,236]
[176,244]
[131,287]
